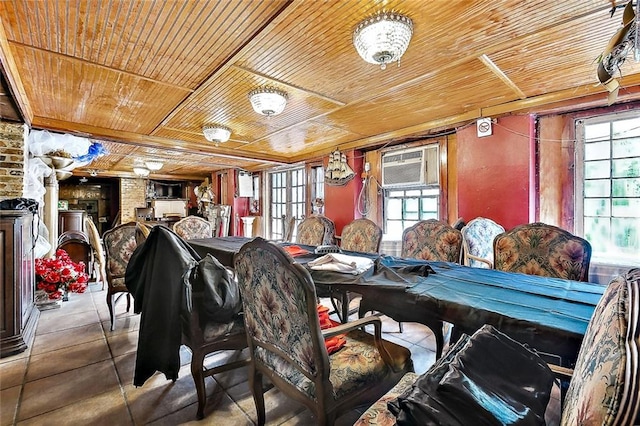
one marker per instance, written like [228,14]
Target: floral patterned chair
[604,386]
[432,240]
[193,227]
[477,242]
[541,249]
[286,343]
[315,231]
[361,235]
[119,244]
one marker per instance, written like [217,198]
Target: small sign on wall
[484,127]
[63,205]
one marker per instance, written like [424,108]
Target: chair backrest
[94,240]
[541,249]
[315,231]
[193,227]
[477,241]
[281,320]
[605,387]
[432,240]
[361,235]
[119,244]
[72,235]
[288,225]
[78,250]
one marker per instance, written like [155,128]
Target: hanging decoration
[614,55]
[338,172]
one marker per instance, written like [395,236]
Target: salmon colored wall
[340,202]
[494,173]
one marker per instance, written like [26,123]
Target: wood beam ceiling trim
[231,59]
[302,89]
[136,139]
[13,77]
[501,75]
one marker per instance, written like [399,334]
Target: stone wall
[133,194]
[12,160]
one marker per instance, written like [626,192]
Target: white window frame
[601,253]
[294,201]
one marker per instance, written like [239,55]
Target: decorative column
[50,210]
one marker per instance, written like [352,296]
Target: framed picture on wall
[63,205]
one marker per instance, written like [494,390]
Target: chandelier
[216,133]
[268,101]
[153,165]
[383,38]
[141,171]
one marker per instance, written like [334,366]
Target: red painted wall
[495,178]
[340,202]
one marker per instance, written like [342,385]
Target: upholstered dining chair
[287,345]
[542,249]
[315,231]
[477,242]
[432,239]
[603,387]
[193,227]
[119,244]
[288,226]
[361,235]
[98,250]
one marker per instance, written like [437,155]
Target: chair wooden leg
[197,360]
[110,306]
[255,382]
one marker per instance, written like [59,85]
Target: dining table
[549,315]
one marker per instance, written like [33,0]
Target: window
[287,198]
[608,186]
[405,207]
[317,189]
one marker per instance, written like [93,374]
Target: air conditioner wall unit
[411,167]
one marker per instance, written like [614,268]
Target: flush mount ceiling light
[141,171]
[216,133]
[383,38]
[153,165]
[268,101]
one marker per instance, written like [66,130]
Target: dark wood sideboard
[19,316]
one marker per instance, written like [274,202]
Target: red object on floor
[335,343]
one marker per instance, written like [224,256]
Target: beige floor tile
[9,398]
[278,407]
[64,338]
[53,392]
[12,372]
[123,343]
[220,410]
[70,319]
[106,409]
[66,359]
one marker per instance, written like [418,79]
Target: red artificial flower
[60,274]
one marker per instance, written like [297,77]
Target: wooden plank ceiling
[145,76]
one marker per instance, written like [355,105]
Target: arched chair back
[98,250]
[541,249]
[315,231]
[477,242]
[193,227]
[432,239]
[361,235]
[288,226]
[72,235]
[287,345]
[119,244]
[78,251]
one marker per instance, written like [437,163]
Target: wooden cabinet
[19,316]
[71,220]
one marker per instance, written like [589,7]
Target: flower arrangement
[58,275]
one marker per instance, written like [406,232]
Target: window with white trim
[608,186]
[287,190]
[404,207]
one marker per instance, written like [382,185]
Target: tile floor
[77,372]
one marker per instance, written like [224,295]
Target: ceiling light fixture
[268,101]
[141,171]
[153,165]
[383,38]
[216,133]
